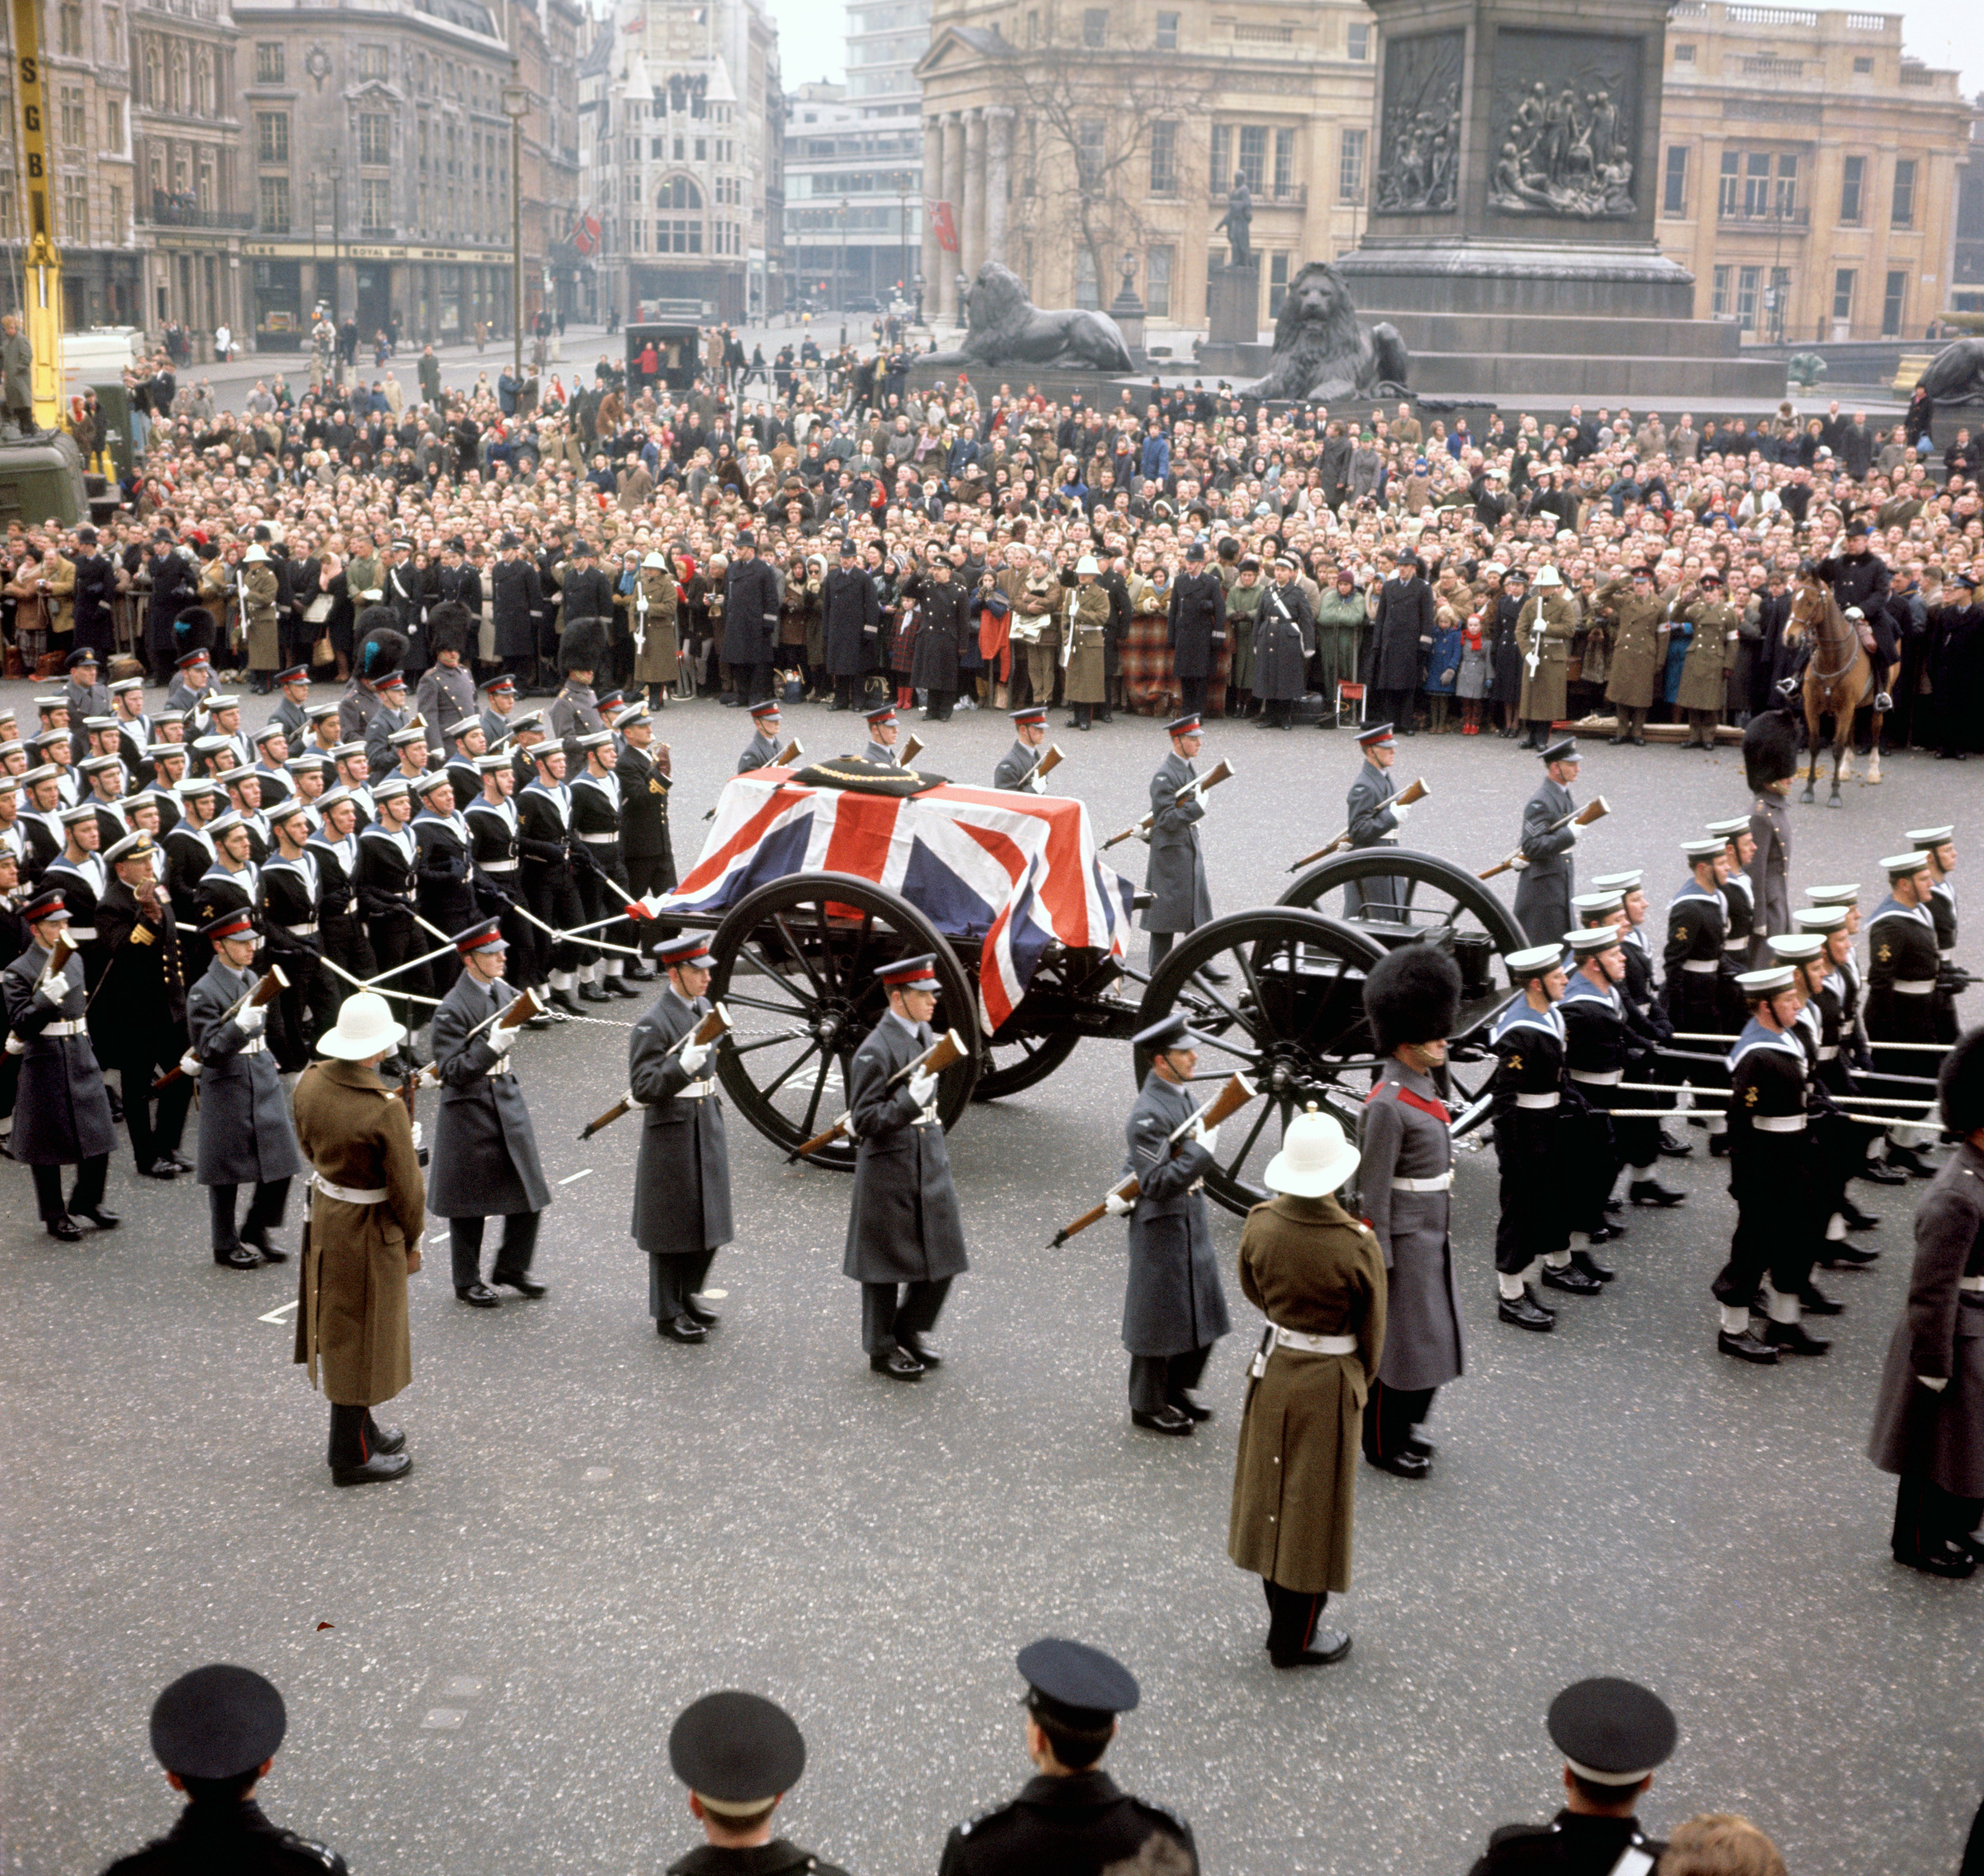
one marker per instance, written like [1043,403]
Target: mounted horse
[1840,678]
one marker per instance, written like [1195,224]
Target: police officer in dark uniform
[1070,1819]
[1196,628]
[1613,1735]
[740,1755]
[215,1731]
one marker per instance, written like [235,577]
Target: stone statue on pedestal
[1238,222]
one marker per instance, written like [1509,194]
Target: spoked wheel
[795,964]
[1286,1008]
[1041,1032]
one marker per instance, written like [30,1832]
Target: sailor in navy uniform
[1904,977]
[1739,907]
[740,1755]
[340,924]
[1600,1051]
[1529,1090]
[1938,846]
[215,1730]
[1639,1141]
[134,725]
[1373,817]
[1070,1819]
[597,816]
[495,860]
[1017,769]
[385,883]
[444,894]
[1696,958]
[1614,1734]
[764,744]
[544,817]
[883,733]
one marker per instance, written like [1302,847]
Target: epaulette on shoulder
[321,1853]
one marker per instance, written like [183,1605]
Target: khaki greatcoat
[1546,691]
[351,1323]
[1309,1266]
[654,662]
[1704,676]
[1639,647]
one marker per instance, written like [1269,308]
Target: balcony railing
[183,215]
[1735,215]
[1288,196]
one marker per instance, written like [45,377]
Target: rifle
[1412,792]
[786,757]
[60,954]
[1221,771]
[714,1024]
[1049,762]
[1591,811]
[264,991]
[937,1058]
[911,750]
[1238,1092]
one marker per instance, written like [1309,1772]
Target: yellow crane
[40,284]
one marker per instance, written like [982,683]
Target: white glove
[1571,834]
[693,1056]
[53,994]
[251,1022]
[15,1046]
[1207,1137]
[1935,1383]
[923,1088]
[1118,1206]
[419,1137]
[1399,815]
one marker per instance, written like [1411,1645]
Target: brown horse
[1840,678]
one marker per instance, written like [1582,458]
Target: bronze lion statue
[1321,351]
[1002,326]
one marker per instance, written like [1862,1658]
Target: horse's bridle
[1822,640]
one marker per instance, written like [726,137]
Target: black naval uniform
[388,861]
[1901,980]
[595,827]
[340,924]
[138,1020]
[293,933]
[1601,1050]
[905,1239]
[1572,1843]
[236,1839]
[543,819]
[1773,1172]
[645,852]
[1077,1825]
[1175,876]
[682,1180]
[61,1116]
[1942,910]
[494,852]
[1372,821]
[442,890]
[1696,961]
[1544,887]
[1530,1096]
[775,1858]
[1739,923]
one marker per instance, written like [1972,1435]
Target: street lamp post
[903,233]
[516,107]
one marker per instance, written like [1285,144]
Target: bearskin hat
[1770,749]
[582,646]
[382,646]
[1960,1085]
[193,631]
[1411,994]
[447,627]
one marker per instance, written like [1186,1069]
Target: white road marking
[573,1178]
[276,1314]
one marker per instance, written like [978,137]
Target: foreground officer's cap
[686,948]
[1029,713]
[1612,1732]
[1927,837]
[768,709]
[1703,849]
[1171,1032]
[910,973]
[237,922]
[1379,736]
[486,936]
[1905,866]
[736,1751]
[1766,982]
[217,1722]
[45,908]
[139,846]
[1820,918]
[189,661]
[296,674]
[1185,725]
[1076,1684]
[1563,750]
[635,713]
[847,549]
[1796,949]
[887,714]
[613,700]
[1730,829]
[1619,882]
[1590,941]
[1537,961]
[504,686]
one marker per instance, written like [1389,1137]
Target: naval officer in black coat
[905,1240]
[740,1755]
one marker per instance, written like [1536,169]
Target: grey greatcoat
[682,1180]
[1176,873]
[1372,820]
[61,1115]
[245,1134]
[1917,1432]
[1405,1137]
[1544,887]
[1016,770]
[484,1163]
[1173,1303]
[903,1226]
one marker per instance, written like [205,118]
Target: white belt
[1314,1345]
[1599,1077]
[1971,1283]
[1424,1185]
[1828,1051]
[86,934]
[696,1090]
[350,1195]
[74,1027]
[599,840]
[500,1066]
[1778,1123]
[497,865]
[1701,963]
[253,1046]
[1734,944]
[1914,986]
[300,931]
[1538,1100]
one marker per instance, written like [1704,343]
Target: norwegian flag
[942,223]
[1014,872]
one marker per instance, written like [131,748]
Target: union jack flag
[1013,872]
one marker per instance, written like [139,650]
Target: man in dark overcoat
[61,1115]
[750,620]
[1406,1180]
[1401,627]
[646,852]
[1175,876]
[947,621]
[1546,882]
[1196,628]
[682,1180]
[1174,1308]
[905,1239]
[1929,1425]
[245,1134]
[514,597]
[1373,817]
[485,1162]
[851,618]
[1284,637]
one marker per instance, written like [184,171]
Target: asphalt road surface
[482,1663]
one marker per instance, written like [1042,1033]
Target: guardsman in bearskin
[1530,1096]
[448,688]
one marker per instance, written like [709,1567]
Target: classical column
[949,264]
[933,257]
[998,178]
[971,236]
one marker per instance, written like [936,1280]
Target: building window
[1777,301]
[375,139]
[269,65]
[1718,303]
[637,236]
[676,236]
[375,204]
[1749,280]
[1033,27]
[1894,303]
[113,125]
[1684,54]
[1352,145]
[1904,215]
[1253,164]
[1085,294]
[1785,201]
[69,29]
[678,192]
[272,136]
[1091,151]
[117,230]
[1158,281]
[1164,158]
[75,211]
[1168,32]
[370,62]
[1757,184]
[274,191]
[1673,194]
[1094,25]
[1863,65]
[1852,189]
[1278,284]
[1285,163]
[1729,185]
[1842,296]
[1222,158]
[75,118]
[1357,40]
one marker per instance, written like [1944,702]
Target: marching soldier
[499,706]
[1770,761]
[1903,975]
[385,884]
[544,821]
[740,1755]
[1072,1817]
[1938,846]
[443,894]
[495,860]
[292,709]
[1174,1307]
[1406,1180]
[884,731]
[291,890]
[1373,816]
[682,1180]
[905,1239]
[1181,900]
[1694,957]
[382,751]
[466,743]
[340,923]
[1929,1425]
[245,1134]
[447,690]
[764,743]
[1018,766]
[1550,876]
[1601,1050]
[1528,1088]
[137,1013]
[367,1217]
[1639,1140]
[61,1116]
[595,827]
[485,1162]
[1774,1179]
[1839,1140]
